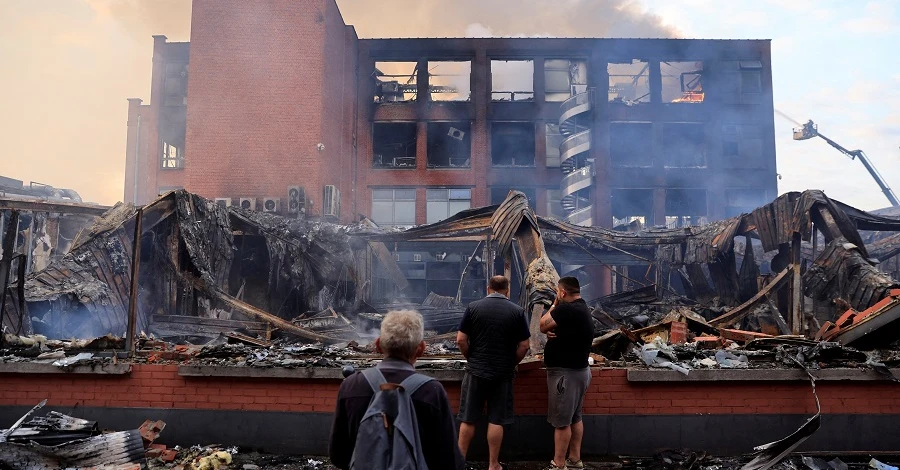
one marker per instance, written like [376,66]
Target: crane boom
[810,130]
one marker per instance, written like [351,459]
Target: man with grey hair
[401,343]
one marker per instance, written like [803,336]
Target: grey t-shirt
[495,326]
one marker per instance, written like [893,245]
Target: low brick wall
[693,414]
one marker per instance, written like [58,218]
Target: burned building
[290,111]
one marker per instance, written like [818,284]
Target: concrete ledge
[303,373]
[39,368]
[755,375]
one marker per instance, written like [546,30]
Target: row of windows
[680,145]
[513,80]
[683,206]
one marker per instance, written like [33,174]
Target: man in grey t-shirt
[493,336]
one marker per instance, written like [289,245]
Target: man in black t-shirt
[570,332]
[493,337]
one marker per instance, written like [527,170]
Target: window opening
[449,80]
[631,144]
[512,144]
[449,144]
[564,78]
[443,203]
[629,82]
[684,145]
[682,82]
[395,81]
[394,144]
[394,207]
[512,80]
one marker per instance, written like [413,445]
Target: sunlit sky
[69,66]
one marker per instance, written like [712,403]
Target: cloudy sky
[70,65]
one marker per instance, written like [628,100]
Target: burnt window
[685,207]
[684,145]
[564,78]
[743,201]
[394,145]
[395,81]
[175,84]
[449,144]
[512,144]
[682,82]
[394,206]
[449,80]
[512,80]
[631,205]
[172,156]
[554,139]
[631,144]
[446,202]
[742,146]
[629,82]
[499,193]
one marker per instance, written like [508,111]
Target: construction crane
[810,130]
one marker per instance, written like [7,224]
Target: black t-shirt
[574,335]
[495,327]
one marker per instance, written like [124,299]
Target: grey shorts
[565,395]
[478,394]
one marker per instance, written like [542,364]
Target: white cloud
[877,18]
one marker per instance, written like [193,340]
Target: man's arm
[521,350]
[462,341]
[547,321]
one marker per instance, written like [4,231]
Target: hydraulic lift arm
[810,130]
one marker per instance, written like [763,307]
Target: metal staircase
[574,122]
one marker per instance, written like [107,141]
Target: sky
[70,65]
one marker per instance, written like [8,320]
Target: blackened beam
[738,313]
[258,314]
[46,206]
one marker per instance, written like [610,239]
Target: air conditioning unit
[248,203]
[331,202]
[271,204]
[456,133]
[296,200]
[223,201]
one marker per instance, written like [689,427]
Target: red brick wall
[256,98]
[158,386]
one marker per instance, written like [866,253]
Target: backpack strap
[413,382]
[375,378]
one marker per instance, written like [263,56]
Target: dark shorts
[565,395]
[477,392]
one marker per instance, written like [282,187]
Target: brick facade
[610,393]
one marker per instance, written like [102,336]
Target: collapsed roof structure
[184,267]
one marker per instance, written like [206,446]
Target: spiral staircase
[574,125]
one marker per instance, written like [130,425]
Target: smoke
[142,19]
[506,18]
[788,117]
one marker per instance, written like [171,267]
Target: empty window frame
[743,201]
[554,139]
[172,156]
[499,193]
[512,144]
[554,204]
[394,207]
[682,82]
[629,82]
[684,145]
[685,207]
[175,84]
[751,81]
[449,144]
[394,144]
[742,146]
[512,80]
[395,81]
[446,202]
[564,78]
[631,205]
[449,80]
[631,144]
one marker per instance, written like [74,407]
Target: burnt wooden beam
[134,287]
[46,206]
[738,313]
